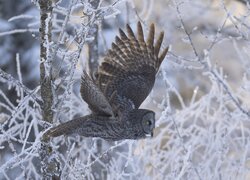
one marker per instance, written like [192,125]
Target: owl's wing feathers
[129,68]
[93,96]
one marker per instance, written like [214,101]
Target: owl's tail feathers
[69,127]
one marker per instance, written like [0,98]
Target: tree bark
[45,78]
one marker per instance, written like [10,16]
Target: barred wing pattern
[93,96]
[127,74]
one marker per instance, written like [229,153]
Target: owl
[123,81]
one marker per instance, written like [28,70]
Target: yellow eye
[148,122]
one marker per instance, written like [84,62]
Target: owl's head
[141,123]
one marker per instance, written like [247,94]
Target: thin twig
[206,67]
[17,83]
[93,45]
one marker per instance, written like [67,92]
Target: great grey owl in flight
[123,81]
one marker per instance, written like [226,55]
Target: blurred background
[201,96]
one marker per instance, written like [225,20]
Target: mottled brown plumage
[130,66]
[124,79]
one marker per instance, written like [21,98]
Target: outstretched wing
[127,73]
[93,96]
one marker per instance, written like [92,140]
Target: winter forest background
[201,96]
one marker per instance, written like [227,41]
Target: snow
[201,96]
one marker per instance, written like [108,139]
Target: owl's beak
[150,135]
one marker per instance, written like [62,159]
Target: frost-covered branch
[209,69]
[10,80]
[45,58]
[201,95]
